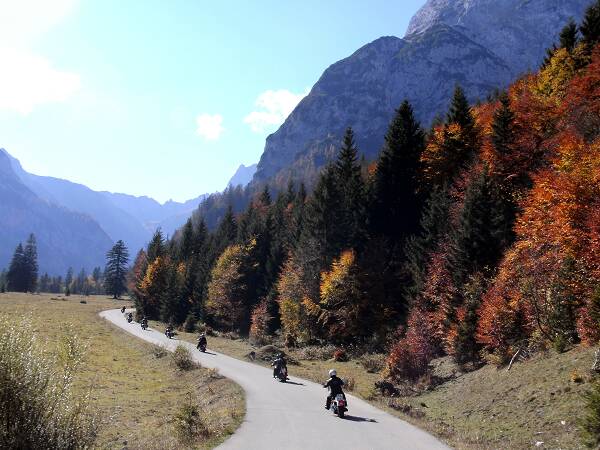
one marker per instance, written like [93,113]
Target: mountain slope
[65,238]
[121,216]
[480,44]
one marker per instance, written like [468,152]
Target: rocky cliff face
[480,44]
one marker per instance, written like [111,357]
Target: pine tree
[186,243]
[466,347]
[156,246]
[482,232]
[396,201]
[569,36]
[31,267]
[590,26]
[117,259]
[434,225]
[69,277]
[351,189]
[17,277]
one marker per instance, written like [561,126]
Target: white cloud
[26,78]
[210,126]
[274,107]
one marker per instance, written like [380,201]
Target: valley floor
[136,394]
[537,404]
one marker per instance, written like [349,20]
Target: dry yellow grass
[135,394]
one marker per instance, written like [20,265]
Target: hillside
[65,238]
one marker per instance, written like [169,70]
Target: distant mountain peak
[243,175]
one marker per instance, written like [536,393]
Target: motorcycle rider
[144,322]
[202,340]
[169,331]
[123,310]
[278,364]
[335,387]
[129,317]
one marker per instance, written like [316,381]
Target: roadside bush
[373,363]
[182,359]
[188,423]
[340,355]
[158,351]
[349,383]
[590,424]
[190,324]
[38,408]
[315,352]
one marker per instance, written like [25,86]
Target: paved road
[291,415]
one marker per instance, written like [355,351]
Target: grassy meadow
[135,394]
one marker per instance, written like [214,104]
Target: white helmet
[332,373]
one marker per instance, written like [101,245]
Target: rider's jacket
[335,385]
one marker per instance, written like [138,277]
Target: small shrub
[349,383]
[386,388]
[290,340]
[182,359]
[405,408]
[82,301]
[590,424]
[158,351]
[188,423]
[214,374]
[373,363]
[340,355]
[576,377]
[190,324]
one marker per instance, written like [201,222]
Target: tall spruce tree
[30,261]
[17,277]
[434,226]
[569,36]
[156,246]
[590,26]
[482,233]
[351,191]
[117,259]
[395,191]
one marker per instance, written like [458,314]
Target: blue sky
[166,98]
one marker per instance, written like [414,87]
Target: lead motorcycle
[339,405]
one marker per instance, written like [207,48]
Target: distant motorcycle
[201,347]
[123,310]
[144,326]
[282,374]
[339,405]
[169,333]
[129,318]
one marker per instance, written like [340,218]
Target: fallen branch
[512,360]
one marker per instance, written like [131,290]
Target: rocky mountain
[480,44]
[65,238]
[242,176]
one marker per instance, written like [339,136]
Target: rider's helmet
[332,373]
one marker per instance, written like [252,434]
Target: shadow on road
[294,383]
[208,353]
[359,419]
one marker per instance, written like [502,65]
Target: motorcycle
[169,333]
[282,375]
[201,347]
[123,310]
[339,405]
[144,326]
[130,318]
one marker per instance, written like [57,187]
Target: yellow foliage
[553,80]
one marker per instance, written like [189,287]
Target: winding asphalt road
[291,415]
